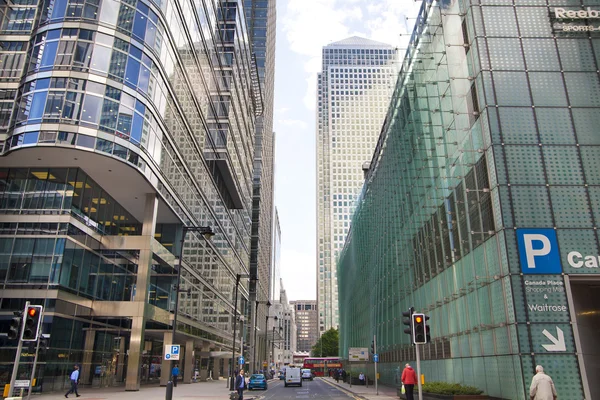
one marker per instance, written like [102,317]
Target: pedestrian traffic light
[32,323]
[418,327]
[408,321]
[14,332]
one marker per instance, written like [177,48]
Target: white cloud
[309,25]
[387,20]
[292,122]
[299,274]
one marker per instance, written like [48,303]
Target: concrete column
[216,364]
[121,361]
[188,362]
[88,351]
[165,366]
[136,342]
[204,372]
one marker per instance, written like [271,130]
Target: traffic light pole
[15,370]
[35,360]
[419,371]
[375,348]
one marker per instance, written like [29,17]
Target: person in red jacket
[409,380]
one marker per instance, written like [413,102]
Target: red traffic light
[32,312]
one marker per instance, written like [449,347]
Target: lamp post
[268,304]
[237,283]
[267,332]
[273,342]
[207,232]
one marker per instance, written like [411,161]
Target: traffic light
[43,344]
[14,332]
[373,347]
[419,327]
[427,336]
[408,321]
[32,323]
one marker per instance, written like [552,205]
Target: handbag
[403,390]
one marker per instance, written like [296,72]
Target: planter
[434,396]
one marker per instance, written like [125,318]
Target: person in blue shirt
[240,385]
[175,374]
[74,382]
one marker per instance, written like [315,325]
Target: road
[317,389]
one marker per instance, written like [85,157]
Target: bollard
[169,393]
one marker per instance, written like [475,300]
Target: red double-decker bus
[320,366]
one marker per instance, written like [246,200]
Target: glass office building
[354,88]
[121,123]
[482,201]
[261,16]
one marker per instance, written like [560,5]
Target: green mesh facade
[492,131]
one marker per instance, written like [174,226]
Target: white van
[293,376]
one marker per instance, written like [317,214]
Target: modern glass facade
[121,123]
[261,16]
[354,88]
[480,206]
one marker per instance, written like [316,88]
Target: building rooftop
[356,41]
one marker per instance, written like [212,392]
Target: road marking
[351,394]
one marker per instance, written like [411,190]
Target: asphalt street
[316,389]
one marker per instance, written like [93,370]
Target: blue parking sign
[175,349]
[538,251]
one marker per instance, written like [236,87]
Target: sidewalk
[364,392]
[212,390]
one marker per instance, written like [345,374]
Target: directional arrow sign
[558,342]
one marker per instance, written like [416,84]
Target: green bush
[450,388]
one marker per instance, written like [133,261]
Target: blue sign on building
[538,251]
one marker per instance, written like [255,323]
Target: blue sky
[303,28]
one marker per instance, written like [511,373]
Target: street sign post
[172,352]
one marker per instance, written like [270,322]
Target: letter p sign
[538,250]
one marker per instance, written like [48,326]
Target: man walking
[74,382]
[175,373]
[240,385]
[542,387]
[409,380]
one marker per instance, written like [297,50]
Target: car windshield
[305,371]
[257,376]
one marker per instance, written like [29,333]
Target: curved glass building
[480,208]
[121,123]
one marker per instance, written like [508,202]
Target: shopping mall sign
[573,19]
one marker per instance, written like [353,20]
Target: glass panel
[49,54]
[92,107]
[133,71]
[109,12]
[38,105]
[101,58]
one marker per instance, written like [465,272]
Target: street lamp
[208,233]
[273,342]
[237,283]
[268,304]
[267,332]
